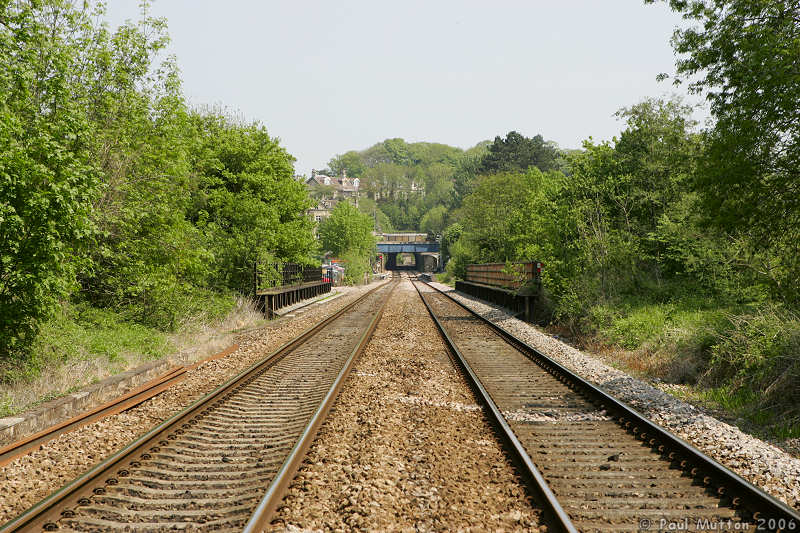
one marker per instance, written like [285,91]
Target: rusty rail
[47,512]
[122,403]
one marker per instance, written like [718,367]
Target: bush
[444,277]
[347,233]
[356,265]
[635,329]
[81,332]
[759,355]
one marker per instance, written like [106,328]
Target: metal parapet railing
[272,275]
[507,275]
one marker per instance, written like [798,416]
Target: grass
[80,332]
[741,361]
[79,345]
[83,344]
[446,278]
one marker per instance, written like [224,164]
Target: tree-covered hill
[417,185]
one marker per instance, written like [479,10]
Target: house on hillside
[340,187]
[328,191]
[322,210]
[383,189]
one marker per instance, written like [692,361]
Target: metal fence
[404,237]
[271,275]
[508,275]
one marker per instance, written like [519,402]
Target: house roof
[342,184]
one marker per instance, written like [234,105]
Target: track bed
[604,477]
[209,467]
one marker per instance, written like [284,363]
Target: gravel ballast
[406,447]
[31,477]
[764,465]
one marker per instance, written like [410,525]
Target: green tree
[743,56]
[618,193]
[246,201]
[466,170]
[657,152]
[148,259]
[495,217]
[347,230]
[434,221]
[517,153]
[369,207]
[47,182]
[350,161]
[385,180]
[347,233]
[437,179]
[449,237]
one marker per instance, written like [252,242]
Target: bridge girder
[407,247]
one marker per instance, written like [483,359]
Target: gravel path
[406,447]
[764,465]
[31,477]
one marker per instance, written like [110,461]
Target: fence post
[255,279]
[528,313]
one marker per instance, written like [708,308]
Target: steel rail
[276,490]
[130,399]
[743,493]
[559,515]
[46,513]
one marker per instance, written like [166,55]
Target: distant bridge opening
[424,251]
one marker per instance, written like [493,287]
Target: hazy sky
[326,77]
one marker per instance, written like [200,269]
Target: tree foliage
[410,181]
[518,153]
[406,180]
[347,230]
[110,184]
[347,233]
[743,55]
[47,180]
[434,221]
[609,227]
[246,202]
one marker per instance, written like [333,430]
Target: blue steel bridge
[391,244]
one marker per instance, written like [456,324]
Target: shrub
[759,355]
[47,182]
[356,265]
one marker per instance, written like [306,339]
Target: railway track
[225,461]
[597,464]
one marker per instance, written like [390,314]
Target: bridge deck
[407,247]
[272,299]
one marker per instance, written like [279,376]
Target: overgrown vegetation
[118,202]
[347,233]
[633,259]
[406,186]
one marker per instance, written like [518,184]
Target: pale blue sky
[326,77]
